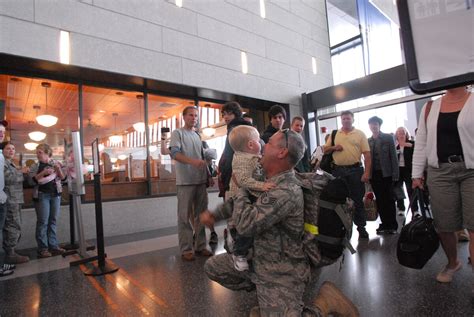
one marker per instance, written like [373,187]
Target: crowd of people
[263,201]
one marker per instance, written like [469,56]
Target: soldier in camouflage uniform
[14,191]
[280,268]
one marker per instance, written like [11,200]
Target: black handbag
[418,239]
[327,159]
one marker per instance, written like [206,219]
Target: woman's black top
[448,140]
[49,187]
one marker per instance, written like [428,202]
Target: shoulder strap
[428,109]
[333,137]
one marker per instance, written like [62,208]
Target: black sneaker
[363,234]
[213,239]
[5,272]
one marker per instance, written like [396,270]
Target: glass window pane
[113,118]
[343,21]
[25,100]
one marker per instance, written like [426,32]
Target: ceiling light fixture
[113,159]
[37,135]
[140,125]
[46,120]
[179,3]
[115,139]
[30,146]
[122,157]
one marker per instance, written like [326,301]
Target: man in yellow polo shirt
[349,145]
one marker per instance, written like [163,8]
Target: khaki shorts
[451,188]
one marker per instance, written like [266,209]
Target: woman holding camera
[47,175]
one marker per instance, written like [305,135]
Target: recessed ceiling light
[102,111]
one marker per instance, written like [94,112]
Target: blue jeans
[47,212]
[352,175]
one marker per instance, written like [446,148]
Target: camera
[165,130]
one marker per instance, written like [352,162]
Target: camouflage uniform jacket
[13,183]
[276,222]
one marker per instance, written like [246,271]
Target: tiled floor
[153,281]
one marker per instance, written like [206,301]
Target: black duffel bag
[418,239]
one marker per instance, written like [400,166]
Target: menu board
[438,42]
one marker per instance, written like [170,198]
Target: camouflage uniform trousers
[275,299]
[12,228]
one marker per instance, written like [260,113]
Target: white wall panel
[309,14]
[198,49]
[20,9]
[100,54]
[159,12]
[288,20]
[28,39]
[266,68]
[277,33]
[229,35]
[316,49]
[285,4]
[73,16]
[311,82]
[222,11]
[288,55]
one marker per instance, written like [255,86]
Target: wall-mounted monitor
[438,42]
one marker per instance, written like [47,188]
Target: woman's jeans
[47,212]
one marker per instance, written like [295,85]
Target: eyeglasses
[285,132]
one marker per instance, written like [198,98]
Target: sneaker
[8,266]
[188,257]
[16,258]
[57,251]
[416,214]
[446,275]
[44,254]
[363,234]
[463,235]
[240,263]
[4,272]
[204,252]
[213,239]
[401,213]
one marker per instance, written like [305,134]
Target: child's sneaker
[240,263]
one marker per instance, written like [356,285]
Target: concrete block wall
[197,45]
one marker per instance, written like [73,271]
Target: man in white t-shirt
[191,179]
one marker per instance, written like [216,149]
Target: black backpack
[327,216]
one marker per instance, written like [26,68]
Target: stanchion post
[103,266]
